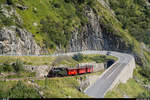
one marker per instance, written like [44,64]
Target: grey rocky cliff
[41,71]
[15,40]
[90,37]
[93,36]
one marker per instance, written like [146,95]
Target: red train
[70,71]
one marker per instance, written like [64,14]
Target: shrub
[144,95]
[6,21]
[31,74]
[6,67]
[1,69]
[20,90]
[57,5]
[54,35]
[146,72]
[18,66]
[10,2]
[78,57]
[3,94]
[1,10]
[2,1]
[91,3]
[67,1]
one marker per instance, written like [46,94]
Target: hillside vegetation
[52,22]
[134,16]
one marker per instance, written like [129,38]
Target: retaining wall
[41,71]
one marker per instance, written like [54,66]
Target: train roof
[83,66]
[76,67]
[71,68]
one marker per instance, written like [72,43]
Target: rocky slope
[94,37]
[14,39]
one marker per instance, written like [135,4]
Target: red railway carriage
[89,69]
[82,70]
[72,71]
[92,68]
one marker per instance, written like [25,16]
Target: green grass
[24,74]
[28,60]
[131,89]
[61,88]
[68,60]
[4,87]
[14,89]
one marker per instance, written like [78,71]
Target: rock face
[93,36]
[90,36]
[41,71]
[89,80]
[11,13]
[15,40]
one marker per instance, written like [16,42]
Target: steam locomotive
[63,71]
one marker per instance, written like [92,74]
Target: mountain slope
[52,26]
[72,25]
